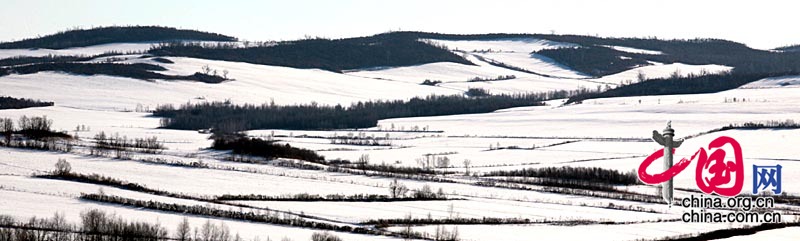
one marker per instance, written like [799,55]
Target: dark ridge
[790,48]
[333,55]
[598,60]
[595,61]
[163,60]
[594,58]
[23,60]
[709,83]
[136,71]
[115,34]
[733,232]
[8,102]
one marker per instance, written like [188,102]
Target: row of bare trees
[97,225]
[122,147]
[33,133]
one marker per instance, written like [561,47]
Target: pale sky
[759,24]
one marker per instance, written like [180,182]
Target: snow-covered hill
[611,133]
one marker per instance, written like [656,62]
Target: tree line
[594,58]
[588,174]
[333,55]
[34,133]
[676,84]
[241,144]
[113,34]
[269,218]
[122,147]
[305,197]
[8,102]
[136,71]
[98,225]
[225,116]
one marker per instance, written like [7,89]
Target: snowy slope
[659,70]
[256,84]
[515,52]
[775,82]
[633,50]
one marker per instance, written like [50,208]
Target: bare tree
[443,162]
[467,163]
[407,231]
[183,230]
[7,128]
[362,162]
[397,189]
[427,161]
[324,236]
[207,231]
[62,167]
[641,77]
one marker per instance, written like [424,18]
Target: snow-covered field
[611,133]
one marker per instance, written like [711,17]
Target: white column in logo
[669,144]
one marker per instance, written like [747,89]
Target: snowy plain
[611,133]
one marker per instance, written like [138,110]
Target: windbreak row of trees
[98,225]
[270,217]
[33,133]
[8,102]
[241,144]
[587,174]
[228,117]
[122,146]
[305,197]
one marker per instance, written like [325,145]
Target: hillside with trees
[136,71]
[596,58]
[115,34]
[692,84]
[334,55]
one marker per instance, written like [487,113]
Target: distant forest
[8,102]
[691,84]
[136,71]
[116,34]
[21,60]
[598,60]
[332,55]
[594,57]
[228,117]
[790,48]
[410,48]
